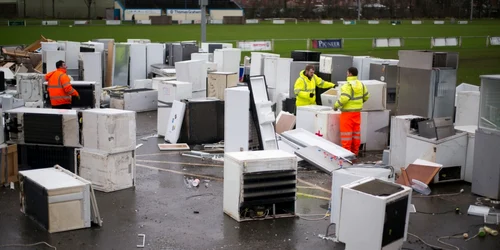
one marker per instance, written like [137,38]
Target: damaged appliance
[168,92]
[386,71]
[138,100]
[203,121]
[36,156]
[386,224]
[30,86]
[335,65]
[260,185]
[401,126]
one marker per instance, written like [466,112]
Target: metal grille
[37,156]
[265,188]
[43,128]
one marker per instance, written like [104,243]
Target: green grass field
[475,58]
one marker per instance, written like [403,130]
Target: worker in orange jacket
[353,95]
[59,87]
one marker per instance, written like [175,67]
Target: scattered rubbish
[214,145]
[412,208]
[143,240]
[206,185]
[478,210]
[138,146]
[204,155]
[465,235]
[420,187]
[323,237]
[173,147]
[12,185]
[196,212]
[149,136]
[481,232]
[490,231]
[492,218]
[196,182]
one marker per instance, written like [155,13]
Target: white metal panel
[138,69]
[378,94]
[72,50]
[155,53]
[257,62]
[236,119]
[270,72]
[400,128]
[109,130]
[141,101]
[263,160]
[52,57]
[377,130]
[92,67]
[283,76]
[450,151]
[306,139]
[467,104]
[327,123]
[228,60]
[306,116]
[107,172]
[469,164]
[174,122]
[193,71]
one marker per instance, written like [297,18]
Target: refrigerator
[427,82]
[336,65]
[387,73]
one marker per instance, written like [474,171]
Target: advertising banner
[255,46]
[328,44]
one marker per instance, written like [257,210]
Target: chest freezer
[260,185]
[451,152]
[306,116]
[55,199]
[378,94]
[138,100]
[43,126]
[387,220]
[109,130]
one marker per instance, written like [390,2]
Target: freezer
[138,100]
[219,81]
[228,60]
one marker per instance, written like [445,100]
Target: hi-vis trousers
[350,131]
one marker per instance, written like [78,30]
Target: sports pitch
[475,58]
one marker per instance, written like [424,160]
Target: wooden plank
[109,64]
[9,164]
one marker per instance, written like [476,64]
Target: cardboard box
[8,163]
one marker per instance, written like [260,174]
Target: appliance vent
[43,128]
[38,156]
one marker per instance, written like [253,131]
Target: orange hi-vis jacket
[59,87]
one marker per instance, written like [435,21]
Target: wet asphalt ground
[174,215]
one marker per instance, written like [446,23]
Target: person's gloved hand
[78,97]
[311,95]
[335,109]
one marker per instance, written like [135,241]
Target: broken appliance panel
[55,199]
[109,130]
[489,108]
[30,86]
[162,71]
[469,165]
[387,221]
[236,119]
[401,126]
[168,92]
[295,69]
[42,126]
[451,152]
[138,100]
[486,172]
[336,65]
[107,172]
[260,185]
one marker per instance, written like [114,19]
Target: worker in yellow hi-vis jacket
[305,87]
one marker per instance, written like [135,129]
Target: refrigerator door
[444,93]
[414,92]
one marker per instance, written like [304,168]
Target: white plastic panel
[400,128]
[469,165]
[257,62]
[305,138]
[325,64]
[174,122]
[193,71]
[270,72]
[283,76]
[467,112]
[236,119]
[137,61]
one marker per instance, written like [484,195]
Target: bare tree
[89,6]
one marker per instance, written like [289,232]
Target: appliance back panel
[86,93]
[395,219]
[36,202]
[305,55]
[2,81]
[450,173]
[40,156]
[200,124]
[213,47]
[43,129]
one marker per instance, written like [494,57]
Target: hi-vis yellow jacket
[303,87]
[353,95]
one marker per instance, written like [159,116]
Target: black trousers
[63,106]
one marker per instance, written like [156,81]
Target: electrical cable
[456,210]
[449,237]
[427,244]
[437,195]
[29,245]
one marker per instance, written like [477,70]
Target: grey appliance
[176,52]
[388,73]
[427,82]
[486,171]
[337,66]
[295,68]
